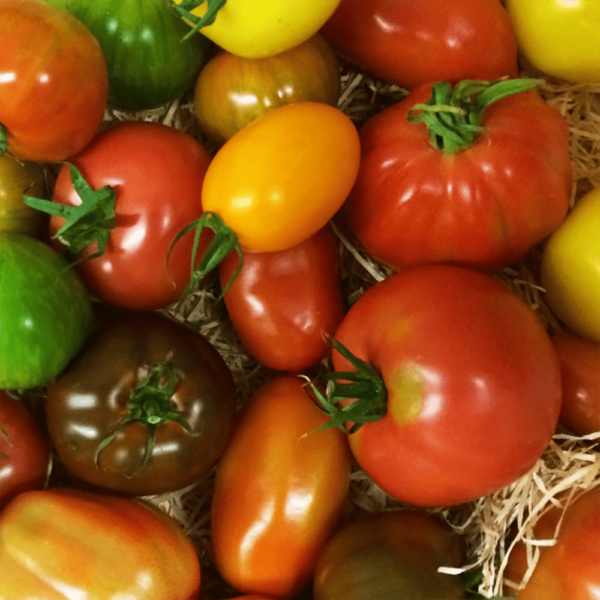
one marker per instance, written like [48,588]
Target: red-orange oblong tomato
[279,491]
[282,303]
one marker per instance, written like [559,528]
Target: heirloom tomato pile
[299,299]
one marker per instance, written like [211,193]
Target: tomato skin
[390,554]
[232,91]
[107,373]
[133,273]
[281,178]
[413,42]
[282,303]
[580,374]
[52,93]
[41,332]
[473,384]
[24,450]
[484,207]
[16,178]
[559,38]
[279,491]
[570,568]
[60,544]
[570,268]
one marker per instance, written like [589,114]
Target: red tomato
[409,42]
[570,569]
[282,303]
[66,544]
[580,373]
[157,173]
[53,81]
[485,206]
[24,451]
[471,378]
[279,491]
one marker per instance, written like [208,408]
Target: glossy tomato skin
[279,491]
[571,567]
[580,374]
[473,384]
[413,42]
[148,63]
[60,544]
[52,93]
[570,268]
[264,27]
[39,332]
[16,178]
[283,304]
[389,554]
[559,38]
[232,91]
[107,372]
[157,173]
[281,178]
[24,450]
[484,207]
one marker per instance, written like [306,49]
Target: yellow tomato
[570,271]
[281,178]
[559,37]
[259,28]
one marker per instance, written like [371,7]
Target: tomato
[45,312]
[148,63]
[159,402]
[559,38]
[16,178]
[260,28]
[52,92]
[571,567]
[232,91]
[24,451]
[279,491]
[389,554]
[63,544]
[580,373]
[484,203]
[283,303]
[157,174]
[412,42]
[280,179]
[570,269]
[467,381]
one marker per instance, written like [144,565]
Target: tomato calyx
[91,221]
[150,405]
[364,386]
[185,8]
[453,116]
[3,139]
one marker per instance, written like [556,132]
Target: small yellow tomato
[559,37]
[570,270]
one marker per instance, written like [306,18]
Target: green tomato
[570,269]
[148,63]
[45,312]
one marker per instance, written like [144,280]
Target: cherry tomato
[280,179]
[468,383]
[24,451]
[64,544]
[232,91]
[412,42]
[283,303]
[279,491]
[53,81]
[580,373]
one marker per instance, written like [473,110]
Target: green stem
[3,139]
[453,116]
[186,7]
